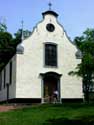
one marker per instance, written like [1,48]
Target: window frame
[56,45]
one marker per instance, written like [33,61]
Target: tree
[7,46]
[85,69]
[7,50]
[3,27]
[26,33]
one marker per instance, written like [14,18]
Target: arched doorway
[51,83]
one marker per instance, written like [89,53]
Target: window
[10,74]
[0,81]
[50,54]
[4,77]
[50,27]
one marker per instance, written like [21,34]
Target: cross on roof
[50,5]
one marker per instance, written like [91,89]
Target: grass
[51,114]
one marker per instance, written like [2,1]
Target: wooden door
[50,85]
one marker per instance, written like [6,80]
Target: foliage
[85,69]
[3,27]
[7,46]
[7,50]
[26,33]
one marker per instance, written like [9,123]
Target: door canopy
[51,74]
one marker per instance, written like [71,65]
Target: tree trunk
[86,96]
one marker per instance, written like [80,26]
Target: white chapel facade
[41,66]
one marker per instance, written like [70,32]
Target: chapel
[41,66]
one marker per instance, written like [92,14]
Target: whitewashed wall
[12,87]
[31,64]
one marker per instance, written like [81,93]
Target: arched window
[50,54]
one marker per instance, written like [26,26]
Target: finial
[22,37]
[22,22]
[50,5]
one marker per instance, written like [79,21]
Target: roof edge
[50,12]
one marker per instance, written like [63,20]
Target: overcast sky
[74,15]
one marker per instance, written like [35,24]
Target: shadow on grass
[65,121]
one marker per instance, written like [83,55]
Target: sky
[75,15]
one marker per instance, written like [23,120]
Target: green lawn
[47,113]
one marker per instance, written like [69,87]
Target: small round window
[50,27]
